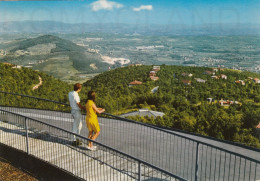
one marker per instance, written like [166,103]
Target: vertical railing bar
[234,168]
[188,159]
[219,165]
[159,147]
[184,158]
[201,161]
[163,134]
[168,150]
[215,164]
[110,170]
[210,163]
[181,157]
[245,170]
[255,170]
[250,170]
[177,155]
[151,146]
[224,166]
[139,171]
[239,168]
[197,161]
[230,156]
[27,140]
[193,168]
[206,162]
[171,157]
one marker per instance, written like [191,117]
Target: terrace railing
[52,145]
[188,156]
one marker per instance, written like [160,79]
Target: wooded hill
[186,106]
[22,80]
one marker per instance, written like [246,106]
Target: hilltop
[56,56]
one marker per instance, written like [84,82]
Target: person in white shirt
[75,111]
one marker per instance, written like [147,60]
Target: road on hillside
[174,152]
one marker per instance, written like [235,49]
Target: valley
[76,57]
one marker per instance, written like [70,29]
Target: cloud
[104,5]
[143,7]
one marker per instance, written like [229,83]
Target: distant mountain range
[151,29]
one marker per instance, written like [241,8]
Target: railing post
[139,171]
[197,162]
[27,140]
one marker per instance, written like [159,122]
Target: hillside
[62,45]
[22,80]
[186,106]
[58,57]
[225,108]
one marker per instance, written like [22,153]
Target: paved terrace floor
[102,164]
[172,153]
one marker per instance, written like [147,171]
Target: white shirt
[74,99]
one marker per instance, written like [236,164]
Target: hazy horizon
[147,12]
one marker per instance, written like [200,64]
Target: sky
[188,12]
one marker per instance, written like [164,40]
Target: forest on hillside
[186,106]
[22,80]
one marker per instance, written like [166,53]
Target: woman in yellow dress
[91,119]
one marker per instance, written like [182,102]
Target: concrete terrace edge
[37,167]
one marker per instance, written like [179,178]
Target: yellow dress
[91,118]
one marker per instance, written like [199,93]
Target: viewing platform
[127,150]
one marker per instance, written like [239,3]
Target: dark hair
[77,86]
[92,95]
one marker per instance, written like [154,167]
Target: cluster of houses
[152,75]
[185,74]
[135,65]
[242,82]
[221,76]
[227,102]
[255,80]
[200,80]
[188,82]
[222,102]
[134,83]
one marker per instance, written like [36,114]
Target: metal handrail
[180,142]
[48,100]
[98,143]
[164,129]
[185,137]
[169,130]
